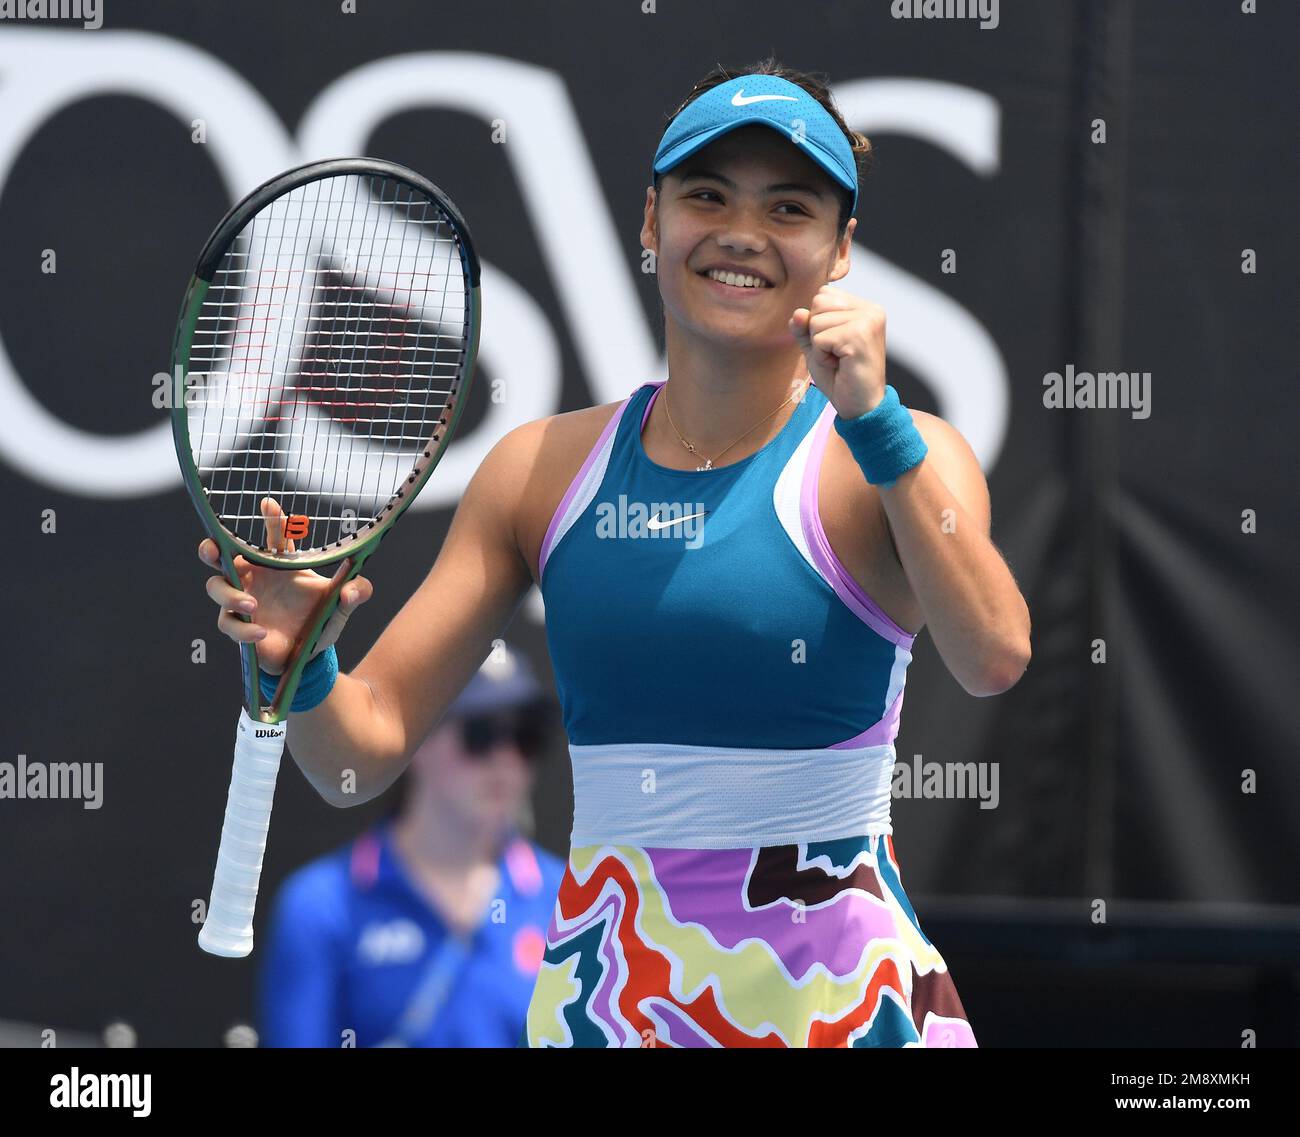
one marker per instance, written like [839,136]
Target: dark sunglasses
[527,729]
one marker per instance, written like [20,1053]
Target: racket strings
[327,353]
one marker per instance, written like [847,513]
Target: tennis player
[735,563]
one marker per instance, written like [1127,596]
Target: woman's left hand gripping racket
[324,350]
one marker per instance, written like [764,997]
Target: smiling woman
[731,687]
[731,706]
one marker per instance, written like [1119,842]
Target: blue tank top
[707,608]
[731,697]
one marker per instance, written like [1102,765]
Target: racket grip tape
[228,929]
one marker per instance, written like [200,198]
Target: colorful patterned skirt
[811,944]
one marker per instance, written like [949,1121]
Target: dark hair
[816,84]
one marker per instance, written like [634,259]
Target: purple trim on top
[877,734]
[650,402]
[828,564]
[610,427]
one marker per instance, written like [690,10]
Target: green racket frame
[351,554]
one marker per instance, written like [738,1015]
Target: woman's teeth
[737,279]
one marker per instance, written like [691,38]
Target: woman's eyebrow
[777,187]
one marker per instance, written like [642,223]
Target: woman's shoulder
[551,450]
[559,434]
[550,453]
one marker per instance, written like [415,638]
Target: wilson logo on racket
[296,526]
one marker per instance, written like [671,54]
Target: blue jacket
[352,940]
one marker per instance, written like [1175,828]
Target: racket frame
[350,554]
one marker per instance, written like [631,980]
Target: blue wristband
[884,441]
[316,683]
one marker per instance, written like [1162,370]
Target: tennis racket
[324,349]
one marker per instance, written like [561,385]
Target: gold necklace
[708,462]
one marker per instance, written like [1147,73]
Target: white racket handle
[228,929]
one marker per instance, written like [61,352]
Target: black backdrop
[1119,780]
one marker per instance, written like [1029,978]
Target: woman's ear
[843,252]
[650,222]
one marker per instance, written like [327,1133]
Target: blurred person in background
[429,928]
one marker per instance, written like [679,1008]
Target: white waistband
[662,795]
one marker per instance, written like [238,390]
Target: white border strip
[663,795]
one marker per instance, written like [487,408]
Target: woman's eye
[794,205]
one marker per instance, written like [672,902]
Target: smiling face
[752,203]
